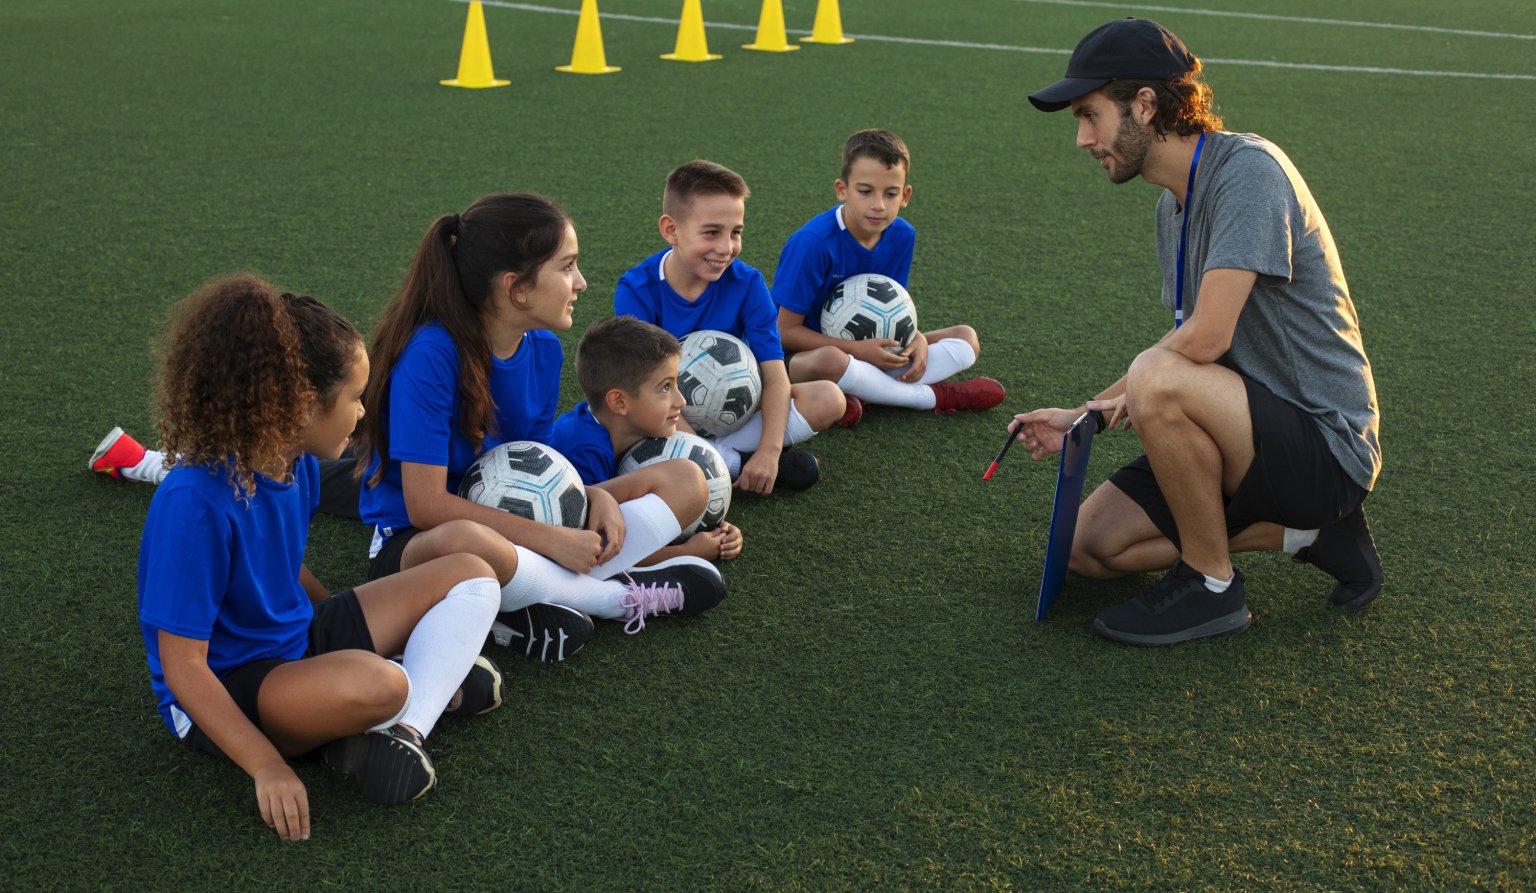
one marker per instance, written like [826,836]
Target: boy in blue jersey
[699,283]
[628,372]
[863,234]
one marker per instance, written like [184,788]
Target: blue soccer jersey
[225,570]
[737,303]
[581,438]
[823,253]
[421,413]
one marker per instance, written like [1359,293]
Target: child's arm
[760,472]
[797,337]
[312,586]
[280,795]
[428,503]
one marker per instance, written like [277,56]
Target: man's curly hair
[1185,106]
[244,369]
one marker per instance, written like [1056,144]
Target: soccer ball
[683,445]
[528,479]
[718,376]
[870,306]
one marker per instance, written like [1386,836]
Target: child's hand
[606,520]
[283,801]
[576,550]
[759,473]
[874,352]
[917,352]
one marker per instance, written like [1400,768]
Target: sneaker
[1347,552]
[1175,609]
[481,689]
[543,632]
[977,393]
[853,413]
[680,586]
[798,470]
[390,764]
[116,450]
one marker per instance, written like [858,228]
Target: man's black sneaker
[390,765]
[680,586]
[798,470]
[542,632]
[1175,609]
[481,691]
[1346,551]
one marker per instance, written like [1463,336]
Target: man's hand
[1041,431]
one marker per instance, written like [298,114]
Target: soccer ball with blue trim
[718,376]
[696,449]
[528,479]
[870,306]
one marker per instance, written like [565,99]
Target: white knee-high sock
[538,579]
[867,382]
[648,525]
[149,470]
[749,436]
[945,358]
[443,647]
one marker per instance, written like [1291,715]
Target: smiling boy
[699,282]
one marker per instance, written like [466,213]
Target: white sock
[749,436]
[867,382]
[150,470]
[649,524]
[731,456]
[538,579]
[1216,585]
[1296,540]
[443,647]
[945,358]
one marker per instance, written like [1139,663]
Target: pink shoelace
[640,600]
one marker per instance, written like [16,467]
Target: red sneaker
[853,413]
[977,393]
[116,450]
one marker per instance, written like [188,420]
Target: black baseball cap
[1129,48]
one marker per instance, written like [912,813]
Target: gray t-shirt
[1298,334]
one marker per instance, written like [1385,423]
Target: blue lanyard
[1189,207]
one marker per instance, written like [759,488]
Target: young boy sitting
[699,283]
[628,372]
[863,234]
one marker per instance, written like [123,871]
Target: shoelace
[653,598]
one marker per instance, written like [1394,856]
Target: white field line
[1306,20]
[967,45]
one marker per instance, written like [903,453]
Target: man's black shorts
[1294,481]
[338,625]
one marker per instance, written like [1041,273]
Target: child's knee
[684,487]
[819,364]
[820,403]
[483,551]
[377,688]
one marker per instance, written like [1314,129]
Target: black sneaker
[390,764]
[481,689]
[1346,551]
[680,586]
[1175,609]
[798,470]
[542,632]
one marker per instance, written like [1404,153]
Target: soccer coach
[1257,409]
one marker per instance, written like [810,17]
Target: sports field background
[873,706]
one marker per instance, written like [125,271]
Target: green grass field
[873,706]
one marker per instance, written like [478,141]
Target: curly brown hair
[1185,106]
[243,370]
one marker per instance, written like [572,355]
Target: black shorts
[387,561]
[338,625]
[1294,481]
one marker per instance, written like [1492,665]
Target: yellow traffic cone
[587,57]
[691,45]
[475,55]
[770,30]
[829,25]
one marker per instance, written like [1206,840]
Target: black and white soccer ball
[528,479]
[696,449]
[870,306]
[718,376]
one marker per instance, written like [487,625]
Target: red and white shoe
[116,451]
[977,393]
[853,413]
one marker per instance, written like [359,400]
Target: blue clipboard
[1076,445]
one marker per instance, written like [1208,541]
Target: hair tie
[454,226]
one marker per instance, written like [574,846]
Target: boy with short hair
[864,234]
[699,282]
[628,371]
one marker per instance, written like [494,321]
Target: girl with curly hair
[249,655]
[465,357]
